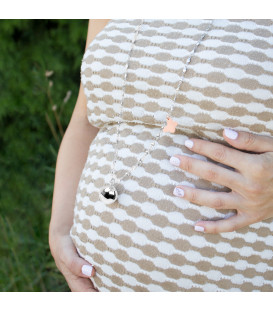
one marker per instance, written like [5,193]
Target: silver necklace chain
[152,144]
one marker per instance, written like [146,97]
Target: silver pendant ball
[108,194]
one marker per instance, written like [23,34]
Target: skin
[251,182]
[70,162]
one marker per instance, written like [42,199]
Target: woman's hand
[251,182]
[76,270]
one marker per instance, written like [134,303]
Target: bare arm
[71,158]
[70,162]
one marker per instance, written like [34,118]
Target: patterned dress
[146,241]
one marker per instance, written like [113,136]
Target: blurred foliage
[39,82]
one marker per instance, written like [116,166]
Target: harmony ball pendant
[108,194]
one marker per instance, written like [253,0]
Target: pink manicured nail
[175,161]
[178,192]
[87,270]
[199,228]
[189,143]
[231,134]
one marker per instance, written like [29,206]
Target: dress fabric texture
[146,240]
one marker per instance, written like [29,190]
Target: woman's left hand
[251,183]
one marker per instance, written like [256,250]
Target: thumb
[79,284]
[80,267]
[248,141]
[74,263]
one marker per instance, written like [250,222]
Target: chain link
[158,136]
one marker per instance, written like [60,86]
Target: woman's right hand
[71,265]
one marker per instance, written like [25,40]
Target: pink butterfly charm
[171,124]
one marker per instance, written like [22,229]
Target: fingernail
[175,161]
[178,192]
[87,270]
[231,134]
[189,143]
[199,228]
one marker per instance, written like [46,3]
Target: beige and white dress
[146,241]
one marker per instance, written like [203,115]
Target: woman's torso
[145,241]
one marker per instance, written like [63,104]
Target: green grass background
[29,142]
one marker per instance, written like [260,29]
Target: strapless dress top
[145,241]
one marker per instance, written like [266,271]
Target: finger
[209,171]
[79,284]
[220,153]
[79,266]
[75,264]
[231,224]
[216,200]
[249,141]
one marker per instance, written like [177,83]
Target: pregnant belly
[145,241]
